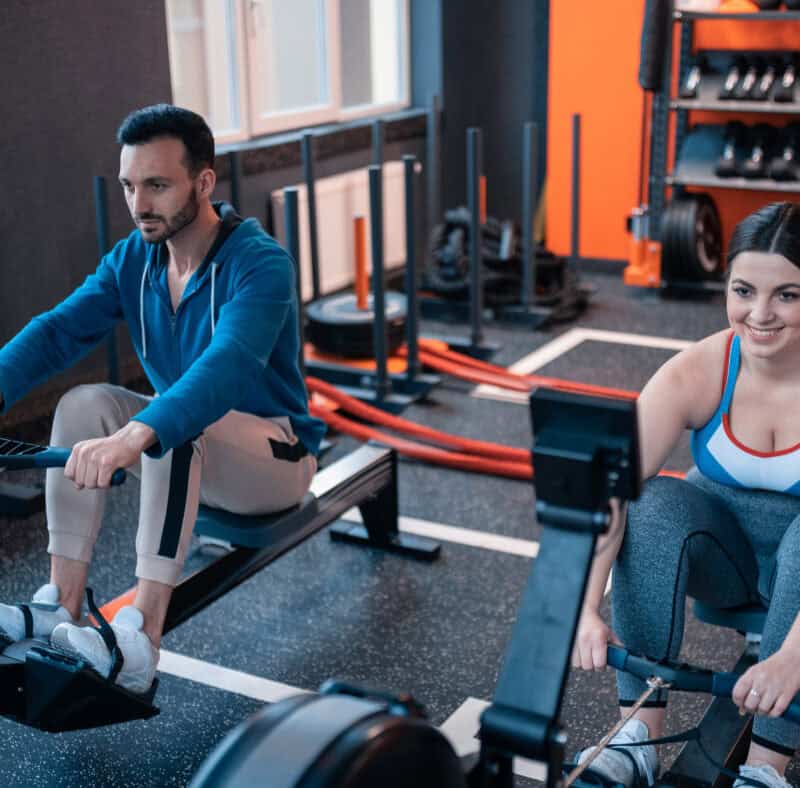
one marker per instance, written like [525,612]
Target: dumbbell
[734,135]
[749,81]
[784,90]
[765,82]
[784,167]
[732,78]
[760,146]
[688,89]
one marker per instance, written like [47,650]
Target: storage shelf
[764,16]
[711,181]
[715,105]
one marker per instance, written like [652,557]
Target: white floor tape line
[563,344]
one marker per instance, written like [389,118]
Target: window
[255,67]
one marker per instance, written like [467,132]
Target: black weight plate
[336,325]
[687,244]
[708,238]
[670,252]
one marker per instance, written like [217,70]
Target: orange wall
[593,70]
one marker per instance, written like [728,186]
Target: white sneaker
[140,659]
[46,614]
[764,773]
[617,766]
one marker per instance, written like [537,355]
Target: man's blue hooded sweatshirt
[232,343]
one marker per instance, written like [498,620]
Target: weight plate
[336,325]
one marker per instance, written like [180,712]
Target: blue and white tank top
[721,457]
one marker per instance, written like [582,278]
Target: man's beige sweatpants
[242,463]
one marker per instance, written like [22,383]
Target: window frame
[249,62]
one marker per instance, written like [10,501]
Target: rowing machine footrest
[257,531]
[745,618]
[54,691]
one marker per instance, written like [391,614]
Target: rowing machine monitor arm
[586,451]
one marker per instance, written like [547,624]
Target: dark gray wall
[494,67]
[71,72]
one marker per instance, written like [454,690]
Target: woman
[729,533]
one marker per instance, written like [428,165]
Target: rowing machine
[47,689]
[586,452]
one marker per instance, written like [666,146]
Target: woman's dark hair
[167,120]
[775,228]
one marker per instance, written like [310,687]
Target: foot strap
[109,638]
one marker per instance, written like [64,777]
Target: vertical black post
[377,142]
[103,245]
[382,384]
[530,177]
[412,305]
[236,195]
[474,169]
[434,164]
[576,189]
[292,225]
[307,153]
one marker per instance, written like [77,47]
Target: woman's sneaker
[636,766]
[140,659]
[763,774]
[45,613]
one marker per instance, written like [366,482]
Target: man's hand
[92,463]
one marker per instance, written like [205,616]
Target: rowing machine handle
[723,685]
[117,478]
[678,674]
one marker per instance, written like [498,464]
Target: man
[210,303]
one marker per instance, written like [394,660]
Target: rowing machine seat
[744,618]
[256,531]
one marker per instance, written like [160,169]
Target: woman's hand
[769,686]
[591,641]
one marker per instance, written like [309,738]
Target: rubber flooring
[327,610]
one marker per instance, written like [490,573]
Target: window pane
[202,56]
[294,54]
[373,51]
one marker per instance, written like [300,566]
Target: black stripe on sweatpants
[176,502]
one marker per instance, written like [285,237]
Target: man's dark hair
[167,120]
[774,228]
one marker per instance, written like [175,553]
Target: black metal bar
[103,245]
[292,224]
[383,385]
[433,157]
[576,190]
[412,302]
[377,142]
[307,152]
[346,483]
[530,177]
[236,194]
[474,169]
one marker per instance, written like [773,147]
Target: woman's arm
[682,394]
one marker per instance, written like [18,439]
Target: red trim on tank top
[727,364]
[732,438]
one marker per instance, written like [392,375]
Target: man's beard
[174,224]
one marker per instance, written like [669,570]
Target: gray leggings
[722,545]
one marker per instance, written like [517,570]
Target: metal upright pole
[307,149]
[103,245]
[382,382]
[530,177]
[377,142]
[433,178]
[233,163]
[474,169]
[576,189]
[292,225]
[412,305]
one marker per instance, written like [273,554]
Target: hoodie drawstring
[213,278]
[141,308]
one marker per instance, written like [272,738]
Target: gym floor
[326,610]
